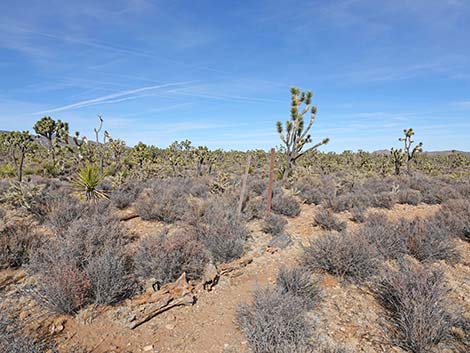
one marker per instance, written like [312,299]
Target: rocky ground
[348,313]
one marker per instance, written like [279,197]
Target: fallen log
[169,296]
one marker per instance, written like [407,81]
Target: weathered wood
[169,296]
[270,184]
[234,265]
[243,190]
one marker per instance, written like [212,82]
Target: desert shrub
[222,230]
[297,281]
[384,235]
[285,205]
[109,277]
[416,305]
[63,212]
[85,263]
[427,241]
[254,208]
[164,201]
[63,289]
[454,216]
[274,224]
[358,213]
[314,192]
[165,257]
[16,241]
[409,196]
[125,195]
[343,202]
[383,200]
[335,349]
[326,219]
[274,323]
[13,339]
[257,186]
[343,254]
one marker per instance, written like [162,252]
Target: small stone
[148,348]
[169,326]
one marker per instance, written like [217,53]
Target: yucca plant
[87,180]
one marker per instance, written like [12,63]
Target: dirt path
[348,314]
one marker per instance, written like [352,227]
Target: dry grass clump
[346,255]
[285,205]
[219,227]
[415,300]
[274,322]
[165,257]
[327,220]
[274,224]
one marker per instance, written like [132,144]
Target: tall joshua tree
[18,144]
[408,153]
[54,131]
[297,134]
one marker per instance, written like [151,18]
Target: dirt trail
[347,315]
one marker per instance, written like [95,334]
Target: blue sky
[219,72]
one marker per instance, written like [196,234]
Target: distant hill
[430,153]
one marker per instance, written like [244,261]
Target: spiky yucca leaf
[87,180]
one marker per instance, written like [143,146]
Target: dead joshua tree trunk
[243,190]
[270,184]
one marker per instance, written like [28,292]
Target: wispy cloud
[110,98]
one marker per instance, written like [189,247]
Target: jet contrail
[109,97]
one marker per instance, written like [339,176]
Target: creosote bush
[285,205]
[415,299]
[343,254]
[166,256]
[274,224]
[327,220]
[274,322]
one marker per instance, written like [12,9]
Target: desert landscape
[234,177]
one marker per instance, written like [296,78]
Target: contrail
[109,97]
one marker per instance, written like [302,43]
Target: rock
[210,276]
[151,285]
[280,241]
[169,326]
[148,348]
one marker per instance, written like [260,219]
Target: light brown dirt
[348,313]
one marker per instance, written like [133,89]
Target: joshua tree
[297,135]
[53,131]
[18,144]
[398,159]
[408,153]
